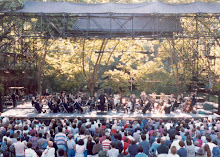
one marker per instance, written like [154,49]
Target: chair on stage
[64,108]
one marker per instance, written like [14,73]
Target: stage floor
[26,110]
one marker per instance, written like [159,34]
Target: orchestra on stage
[82,103]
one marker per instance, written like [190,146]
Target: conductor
[102,102]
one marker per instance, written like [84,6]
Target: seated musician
[193,99]
[56,108]
[37,106]
[174,105]
[110,103]
[147,106]
[168,106]
[50,105]
[68,107]
[77,106]
[91,103]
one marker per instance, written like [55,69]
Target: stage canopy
[141,8]
[112,20]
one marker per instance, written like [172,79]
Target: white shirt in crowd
[112,152]
[49,152]
[30,153]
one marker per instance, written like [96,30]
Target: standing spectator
[207,150]
[97,147]
[80,148]
[190,148]
[113,152]
[218,139]
[126,145]
[30,152]
[199,140]
[140,152]
[182,152]
[70,146]
[144,144]
[132,149]
[173,152]
[9,150]
[40,142]
[19,148]
[50,151]
[210,144]
[106,143]
[61,140]
[13,97]
[89,147]
[33,139]
[153,137]
[162,149]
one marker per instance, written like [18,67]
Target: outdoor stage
[26,110]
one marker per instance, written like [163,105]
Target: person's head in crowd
[81,142]
[208,139]
[154,133]
[39,153]
[188,142]
[89,139]
[70,136]
[126,140]
[18,138]
[108,137]
[143,137]
[29,144]
[33,134]
[50,143]
[196,143]
[207,150]
[164,133]
[112,144]
[182,144]
[162,141]
[158,140]
[61,153]
[96,140]
[40,135]
[140,149]
[81,131]
[60,129]
[173,150]
[133,142]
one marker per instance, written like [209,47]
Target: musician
[193,99]
[37,106]
[102,98]
[147,106]
[168,106]
[174,105]
[110,103]
[14,99]
[78,105]
[68,107]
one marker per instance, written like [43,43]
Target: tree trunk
[42,60]
[175,69]
[92,88]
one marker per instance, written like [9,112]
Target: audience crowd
[110,137]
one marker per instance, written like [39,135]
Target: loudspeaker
[1,106]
